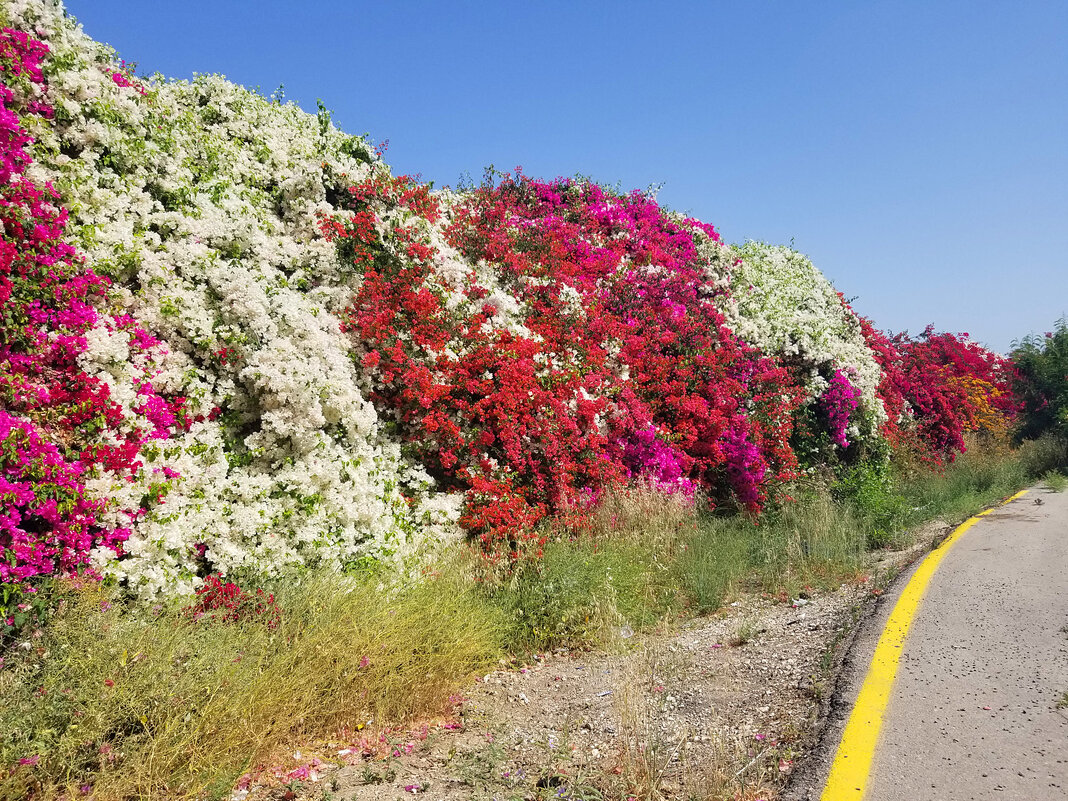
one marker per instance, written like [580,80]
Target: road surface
[973,710]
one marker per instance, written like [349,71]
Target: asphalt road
[973,712]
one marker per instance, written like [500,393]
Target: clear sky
[916,150]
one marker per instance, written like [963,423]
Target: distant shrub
[1039,456]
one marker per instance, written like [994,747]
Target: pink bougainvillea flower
[58,424]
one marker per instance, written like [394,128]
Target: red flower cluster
[233,604]
[644,287]
[527,384]
[939,386]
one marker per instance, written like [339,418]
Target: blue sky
[916,151]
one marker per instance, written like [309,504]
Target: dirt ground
[724,706]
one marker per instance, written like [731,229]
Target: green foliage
[1038,456]
[714,561]
[810,543]
[870,489]
[616,577]
[1042,363]
[584,593]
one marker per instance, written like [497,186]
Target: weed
[371,776]
[744,634]
[869,489]
[718,557]
[653,767]
[1055,480]
[482,769]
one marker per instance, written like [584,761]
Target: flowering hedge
[199,201]
[550,339]
[61,427]
[232,339]
[971,386]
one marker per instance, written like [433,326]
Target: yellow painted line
[852,762]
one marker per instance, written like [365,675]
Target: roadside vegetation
[1055,480]
[184,699]
[1042,365]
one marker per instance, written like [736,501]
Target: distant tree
[1042,362]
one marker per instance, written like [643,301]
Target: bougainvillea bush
[869,388]
[787,307]
[538,342]
[939,386]
[977,385]
[198,200]
[234,342]
[63,427]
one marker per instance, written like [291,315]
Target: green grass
[1055,480]
[617,577]
[812,543]
[978,478]
[143,702]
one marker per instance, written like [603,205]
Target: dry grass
[154,705]
[655,767]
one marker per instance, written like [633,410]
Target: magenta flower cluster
[655,461]
[47,524]
[838,402]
